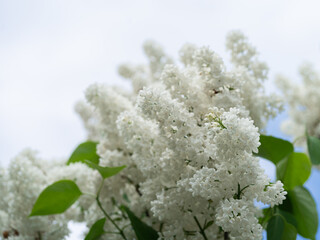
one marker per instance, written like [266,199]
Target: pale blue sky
[50,51]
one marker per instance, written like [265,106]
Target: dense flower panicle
[89,118]
[3,203]
[157,58]
[210,65]
[183,85]
[139,76]
[109,105]
[273,194]
[235,215]
[144,75]
[242,52]
[142,136]
[303,101]
[186,53]
[237,133]
[244,56]
[187,135]
[25,178]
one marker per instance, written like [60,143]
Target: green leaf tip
[96,230]
[105,172]
[304,210]
[314,149]
[56,198]
[279,229]
[294,170]
[142,230]
[85,151]
[274,149]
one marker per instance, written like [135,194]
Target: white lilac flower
[238,218]
[89,118]
[303,102]
[186,134]
[25,178]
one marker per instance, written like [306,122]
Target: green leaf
[267,214]
[288,216]
[286,205]
[85,151]
[96,231]
[56,198]
[208,224]
[314,149]
[275,228]
[290,232]
[105,172]
[305,211]
[279,229]
[294,170]
[142,230]
[274,149]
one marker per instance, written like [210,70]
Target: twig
[106,214]
[201,229]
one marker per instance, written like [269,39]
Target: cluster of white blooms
[186,135]
[89,118]
[20,186]
[303,101]
[142,75]
[23,181]
[235,215]
[244,56]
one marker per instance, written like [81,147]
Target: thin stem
[137,187]
[99,189]
[106,214]
[298,138]
[124,227]
[201,229]
[226,236]
[39,236]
